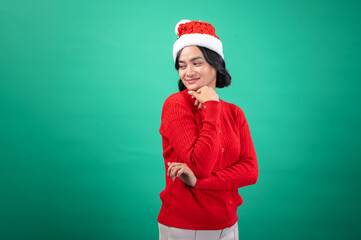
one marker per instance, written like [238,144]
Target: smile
[190,81]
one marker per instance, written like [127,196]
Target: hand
[198,104]
[204,94]
[182,171]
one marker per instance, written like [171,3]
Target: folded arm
[198,148]
[244,172]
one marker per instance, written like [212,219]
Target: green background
[82,87]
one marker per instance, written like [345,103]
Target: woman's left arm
[244,172]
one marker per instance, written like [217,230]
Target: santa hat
[196,33]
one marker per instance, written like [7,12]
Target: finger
[169,168]
[170,175]
[174,174]
[171,165]
[177,167]
[196,103]
[175,164]
[181,171]
[200,106]
[191,93]
[174,171]
[171,172]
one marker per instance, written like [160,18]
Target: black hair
[216,61]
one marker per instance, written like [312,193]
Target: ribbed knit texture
[216,144]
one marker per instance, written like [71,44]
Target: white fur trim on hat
[203,40]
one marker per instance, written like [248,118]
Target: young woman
[207,147]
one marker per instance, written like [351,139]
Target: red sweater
[216,144]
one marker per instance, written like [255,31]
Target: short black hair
[216,61]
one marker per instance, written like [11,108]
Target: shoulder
[232,108]
[176,108]
[175,97]
[179,99]
[235,112]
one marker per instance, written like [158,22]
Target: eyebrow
[193,59]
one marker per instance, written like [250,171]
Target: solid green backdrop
[82,88]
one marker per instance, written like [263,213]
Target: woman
[207,147]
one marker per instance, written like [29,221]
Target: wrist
[194,183]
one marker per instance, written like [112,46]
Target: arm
[242,173]
[198,148]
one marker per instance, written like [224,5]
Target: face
[194,71]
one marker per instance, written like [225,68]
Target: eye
[197,63]
[182,67]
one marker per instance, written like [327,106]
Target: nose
[190,71]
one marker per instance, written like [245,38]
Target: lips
[192,80]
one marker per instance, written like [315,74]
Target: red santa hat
[196,33]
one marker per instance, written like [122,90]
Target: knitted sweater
[216,145]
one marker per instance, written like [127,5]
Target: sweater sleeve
[242,173]
[198,148]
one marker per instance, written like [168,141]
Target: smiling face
[194,71]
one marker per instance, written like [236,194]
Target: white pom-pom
[179,23]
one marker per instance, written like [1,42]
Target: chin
[192,88]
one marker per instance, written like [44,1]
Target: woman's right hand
[182,171]
[204,94]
